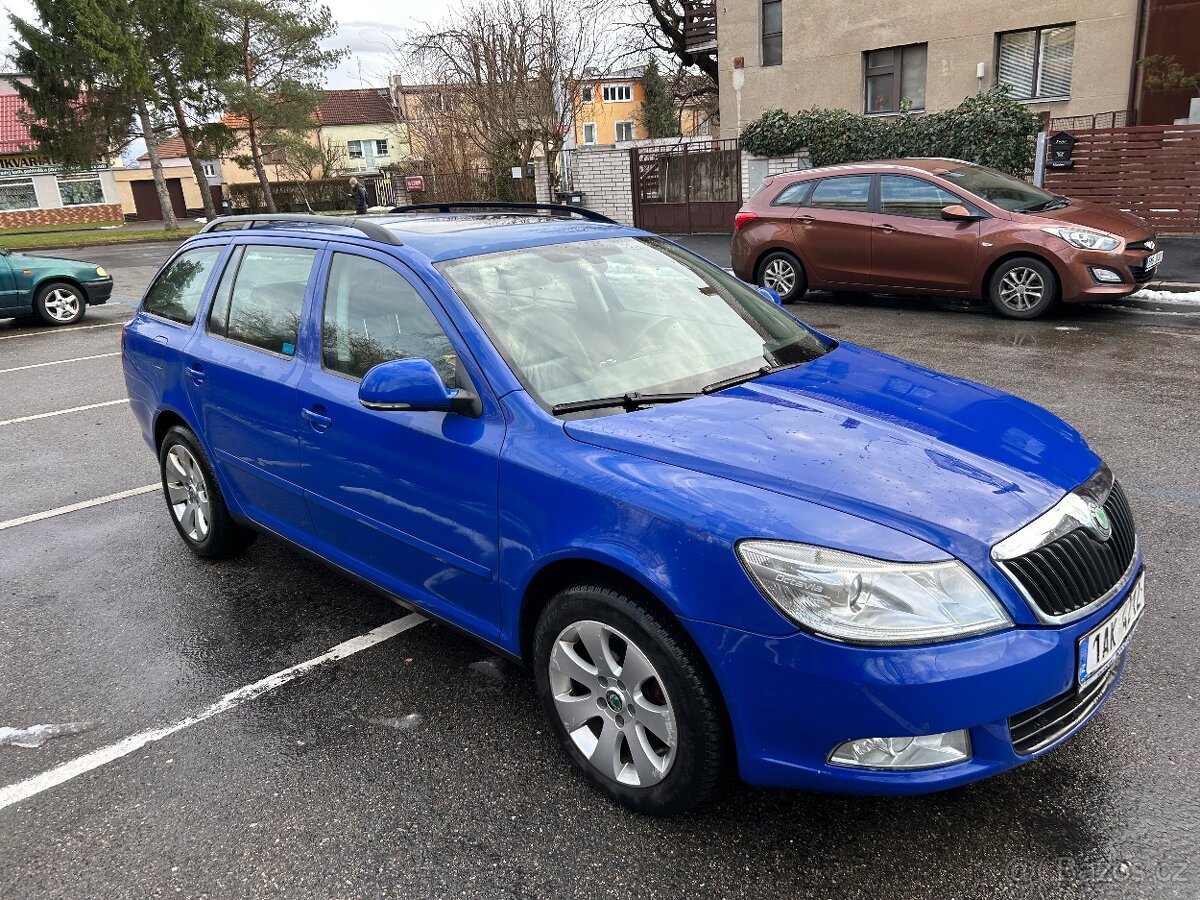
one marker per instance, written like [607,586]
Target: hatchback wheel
[1023,288]
[633,706]
[60,303]
[195,501]
[783,273]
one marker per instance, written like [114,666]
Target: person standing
[358,194]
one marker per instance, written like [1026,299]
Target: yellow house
[608,110]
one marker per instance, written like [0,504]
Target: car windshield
[1002,190]
[615,317]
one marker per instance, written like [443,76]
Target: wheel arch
[985,280]
[779,248]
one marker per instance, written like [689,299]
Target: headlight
[101,271]
[1084,239]
[868,601]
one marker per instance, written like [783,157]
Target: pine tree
[659,116]
[280,67]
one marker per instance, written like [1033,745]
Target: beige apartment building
[1066,58]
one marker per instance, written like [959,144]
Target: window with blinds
[1036,63]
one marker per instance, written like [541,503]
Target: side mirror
[768,294]
[956,212]
[414,385]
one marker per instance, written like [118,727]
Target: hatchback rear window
[260,296]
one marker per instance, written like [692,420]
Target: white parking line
[13,337]
[30,787]
[59,362]
[61,412]
[75,507]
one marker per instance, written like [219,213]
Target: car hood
[57,263]
[1092,215]
[954,463]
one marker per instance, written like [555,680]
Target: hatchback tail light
[742,218]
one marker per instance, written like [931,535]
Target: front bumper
[793,699]
[1080,284]
[98,291]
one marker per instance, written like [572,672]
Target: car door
[833,231]
[10,297]
[241,371]
[912,246]
[404,499]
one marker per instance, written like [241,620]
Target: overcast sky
[364,27]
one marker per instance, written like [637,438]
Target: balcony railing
[700,24]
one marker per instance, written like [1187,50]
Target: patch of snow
[36,735]
[403,723]
[1152,296]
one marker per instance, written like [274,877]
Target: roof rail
[499,206]
[373,230]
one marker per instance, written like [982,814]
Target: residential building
[36,190]
[1067,59]
[139,195]
[359,131]
[609,109]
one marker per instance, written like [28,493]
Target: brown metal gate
[691,188]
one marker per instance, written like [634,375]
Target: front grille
[1141,274]
[1078,568]
[1041,726]
[1147,244]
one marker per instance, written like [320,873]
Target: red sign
[414,183]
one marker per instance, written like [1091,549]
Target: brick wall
[756,168]
[65,215]
[602,175]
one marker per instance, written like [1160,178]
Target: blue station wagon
[718,537]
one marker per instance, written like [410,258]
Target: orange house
[608,110]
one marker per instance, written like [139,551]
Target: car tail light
[742,218]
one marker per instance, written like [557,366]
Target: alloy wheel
[613,704]
[187,492]
[780,276]
[1022,288]
[62,305]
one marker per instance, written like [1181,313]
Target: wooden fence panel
[1152,171]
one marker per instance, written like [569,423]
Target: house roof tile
[168,148]
[14,132]
[357,106]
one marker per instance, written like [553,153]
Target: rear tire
[194,499]
[784,274]
[1023,288]
[631,702]
[59,303]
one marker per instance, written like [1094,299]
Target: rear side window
[373,315]
[902,195]
[260,296]
[793,194]
[849,192]
[177,292]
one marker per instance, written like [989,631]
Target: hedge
[322,195]
[989,128]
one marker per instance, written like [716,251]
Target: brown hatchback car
[938,226]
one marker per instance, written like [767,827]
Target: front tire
[784,274]
[194,499]
[1023,288]
[630,700]
[59,303]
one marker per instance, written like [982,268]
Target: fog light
[1105,276]
[924,751]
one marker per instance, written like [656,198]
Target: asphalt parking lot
[418,764]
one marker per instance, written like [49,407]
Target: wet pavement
[422,766]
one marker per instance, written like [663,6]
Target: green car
[57,291]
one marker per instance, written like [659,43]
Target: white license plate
[1154,259]
[1100,646]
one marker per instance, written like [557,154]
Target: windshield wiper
[1052,203]
[739,379]
[630,400]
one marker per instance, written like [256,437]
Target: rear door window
[903,195]
[851,193]
[177,292]
[373,315]
[260,296]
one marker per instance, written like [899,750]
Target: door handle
[317,420]
[196,373]
[887,229]
[806,220]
